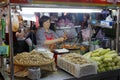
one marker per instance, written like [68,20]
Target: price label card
[4,50]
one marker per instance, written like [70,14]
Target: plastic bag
[86,34]
[100,34]
[28,41]
[15,23]
[45,51]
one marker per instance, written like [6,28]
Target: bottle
[3,28]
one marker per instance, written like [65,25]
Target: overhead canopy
[68,2]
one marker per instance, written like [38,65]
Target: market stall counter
[35,65]
[109,75]
[62,75]
[38,64]
[57,75]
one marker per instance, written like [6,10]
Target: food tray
[73,48]
[77,70]
[70,46]
[33,65]
[61,50]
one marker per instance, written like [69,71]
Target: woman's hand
[61,39]
[20,35]
[65,35]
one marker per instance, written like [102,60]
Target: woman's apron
[50,37]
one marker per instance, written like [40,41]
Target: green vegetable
[111,52]
[87,55]
[105,51]
[107,59]
[96,58]
[110,55]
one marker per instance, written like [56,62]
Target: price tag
[4,50]
[107,24]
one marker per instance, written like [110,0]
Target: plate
[61,50]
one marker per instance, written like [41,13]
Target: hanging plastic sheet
[3,28]
[86,34]
[15,23]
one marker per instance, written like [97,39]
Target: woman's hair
[43,19]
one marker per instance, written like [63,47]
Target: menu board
[101,2]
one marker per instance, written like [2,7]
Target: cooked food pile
[32,58]
[74,58]
[69,46]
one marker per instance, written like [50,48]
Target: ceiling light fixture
[59,10]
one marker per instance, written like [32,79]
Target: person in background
[32,37]
[21,35]
[84,24]
[46,37]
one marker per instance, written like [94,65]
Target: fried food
[74,58]
[22,73]
[34,58]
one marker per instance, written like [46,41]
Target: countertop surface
[57,75]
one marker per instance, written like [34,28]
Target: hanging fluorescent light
[59,10]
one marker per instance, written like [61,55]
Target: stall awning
[74,2]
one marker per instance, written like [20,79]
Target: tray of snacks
[76,65]
[33,58]
[70,46]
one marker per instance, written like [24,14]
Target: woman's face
[46,24]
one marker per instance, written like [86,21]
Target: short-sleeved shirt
[41,38]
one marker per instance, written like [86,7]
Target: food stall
[55,6]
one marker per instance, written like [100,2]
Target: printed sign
[4,50]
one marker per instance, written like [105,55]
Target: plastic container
[77,70]
[34,73]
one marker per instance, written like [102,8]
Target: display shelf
[102,26]
[68,27]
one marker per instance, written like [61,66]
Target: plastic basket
[77,70]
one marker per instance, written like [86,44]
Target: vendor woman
[46,37]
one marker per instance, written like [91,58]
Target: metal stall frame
[118,30]
[11,44]
[11,34]
[3,4]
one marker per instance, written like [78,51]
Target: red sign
[85,1]
[68,1]
[100,1]
[19,1]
